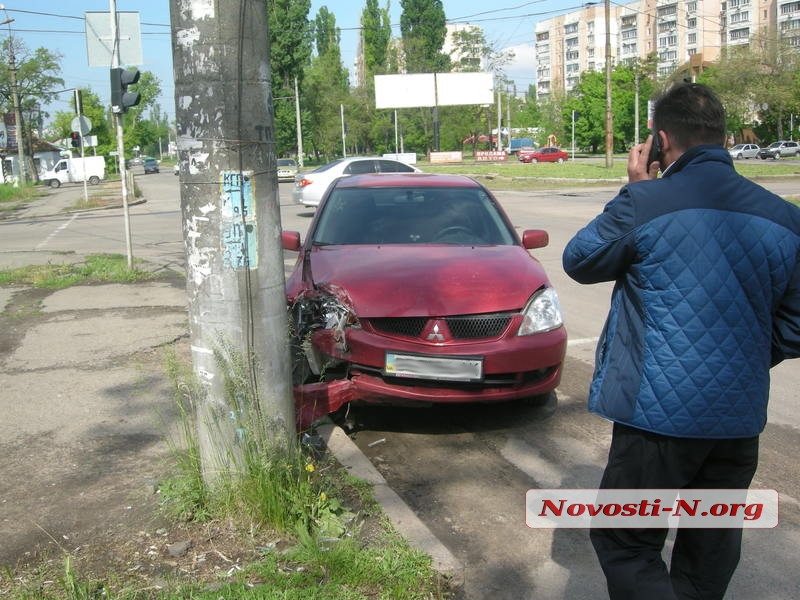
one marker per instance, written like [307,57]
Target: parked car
[415,288]
[150,165]
[310,187]
[546,154]
[779,149]
[744,151]
[287,169]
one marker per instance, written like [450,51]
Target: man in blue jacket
[706,300]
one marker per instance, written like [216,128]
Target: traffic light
[75,139]
[121,98]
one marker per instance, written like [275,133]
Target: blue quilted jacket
[707,298]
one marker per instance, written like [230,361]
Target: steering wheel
[453,231]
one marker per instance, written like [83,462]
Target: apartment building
[787,20]
[569,44]
[683,33]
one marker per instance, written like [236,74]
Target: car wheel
[739,156]
[560,160]
[534,160]
[94,180]
[54,183]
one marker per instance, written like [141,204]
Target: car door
[360,167]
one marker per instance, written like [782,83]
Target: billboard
[433,89]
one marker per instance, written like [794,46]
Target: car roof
[406,180]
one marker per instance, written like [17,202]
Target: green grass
[11,197]
[581,169]
[97,268]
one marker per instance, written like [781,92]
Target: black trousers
[703,560]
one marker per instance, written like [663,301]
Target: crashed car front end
[420,360]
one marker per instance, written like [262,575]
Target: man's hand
[637,162]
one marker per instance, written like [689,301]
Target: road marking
[582,341]
[58,229]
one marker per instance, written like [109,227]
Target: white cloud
[522,68]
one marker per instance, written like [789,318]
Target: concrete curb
[400,514]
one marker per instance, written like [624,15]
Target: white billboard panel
[433,89]
[404,91]
[464,88]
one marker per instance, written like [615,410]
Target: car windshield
[412,215]
[286,162]
[775,145]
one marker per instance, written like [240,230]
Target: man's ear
[668,149]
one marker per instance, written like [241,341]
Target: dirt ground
[84,448]
[87,409]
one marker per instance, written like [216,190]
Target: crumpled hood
[408,281]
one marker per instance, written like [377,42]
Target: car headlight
[543,313]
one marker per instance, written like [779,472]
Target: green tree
[290,44]
[37,81]
[92,108]
[36,73]
[422,26]
[759,79]
[327,82]
[377,32]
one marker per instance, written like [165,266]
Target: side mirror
[535,238]
[290,240]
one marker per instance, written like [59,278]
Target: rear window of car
[414,215]
[393,166]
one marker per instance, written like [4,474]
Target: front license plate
[434,367]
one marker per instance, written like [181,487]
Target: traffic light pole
[78,110]
[123,175]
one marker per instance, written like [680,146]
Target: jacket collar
[697,154]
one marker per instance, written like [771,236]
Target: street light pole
[609,116]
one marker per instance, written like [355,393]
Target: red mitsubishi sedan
[415,288]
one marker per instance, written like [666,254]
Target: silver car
[287,169]
[744,151]
[310,187]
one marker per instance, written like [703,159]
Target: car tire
[534,160]
[560,160]
[94,180]
[738,156]
[54,183]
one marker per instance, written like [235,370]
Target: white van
[76,170]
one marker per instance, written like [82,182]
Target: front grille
[469,327]
[478,327]
[406,326]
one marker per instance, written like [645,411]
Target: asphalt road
[465,470]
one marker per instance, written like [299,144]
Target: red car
[415,288]
[548,154]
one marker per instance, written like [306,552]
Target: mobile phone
[655,147]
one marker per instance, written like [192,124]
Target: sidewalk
[84,386]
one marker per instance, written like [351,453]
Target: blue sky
[58,26]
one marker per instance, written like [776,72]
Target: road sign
[81,125]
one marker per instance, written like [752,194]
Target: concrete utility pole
[609,113]
[231,221]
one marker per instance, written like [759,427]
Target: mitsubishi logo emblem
[435,336]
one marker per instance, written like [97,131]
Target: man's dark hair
[691,114]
